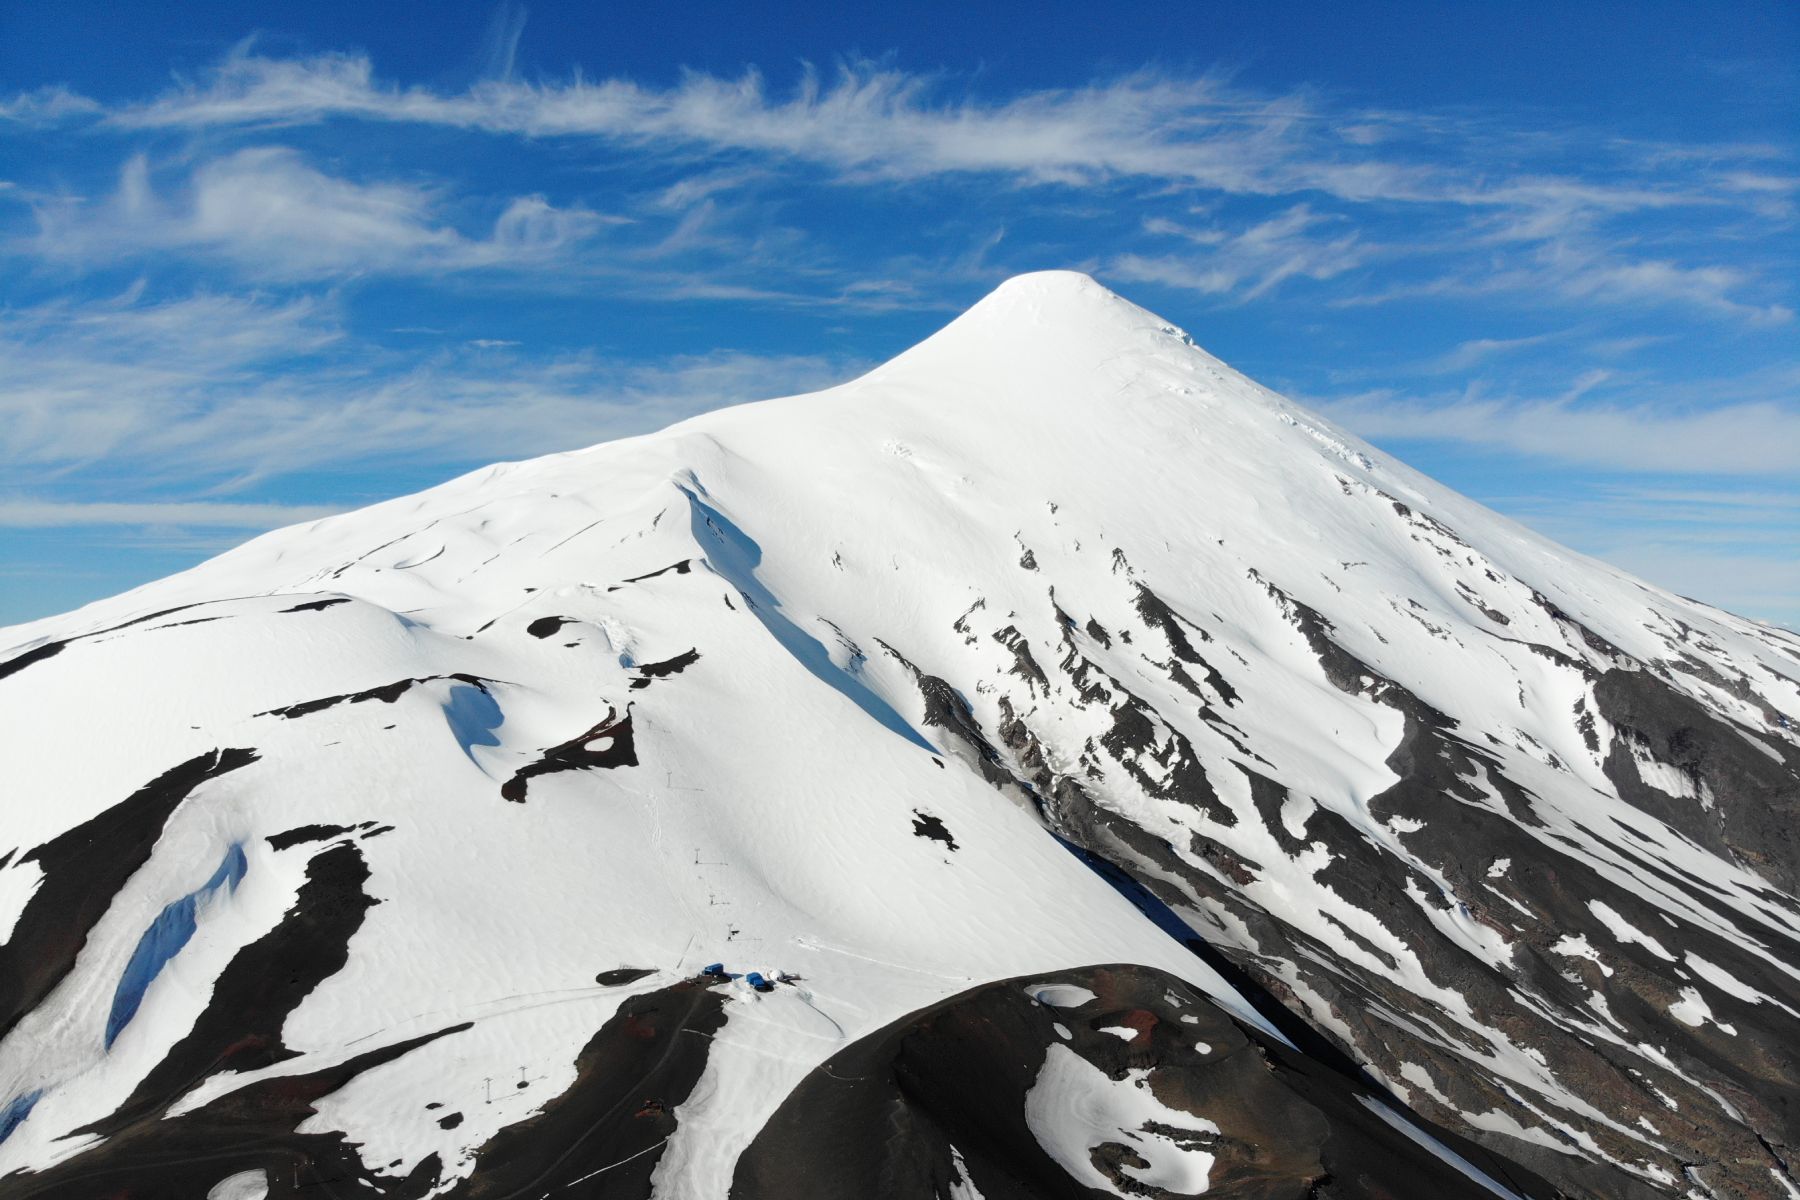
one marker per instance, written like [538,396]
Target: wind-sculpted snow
[734,556]
[1051,643]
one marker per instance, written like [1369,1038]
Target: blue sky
[259,262]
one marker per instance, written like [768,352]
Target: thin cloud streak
[1516,256]
[1760,438]
[57,514]
[883,122]
[194,391]
[1584,270]
[1250,262]
[1533,230]
[276,216]
[1754,572]
[48,106]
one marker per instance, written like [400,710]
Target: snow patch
[1074,1108]
[1693,1010]
[1060,995]
[245,1185]
[1576,946]
[1730,984]
[1438,1149]
[1625,933]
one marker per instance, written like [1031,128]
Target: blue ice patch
[171,930]
[15,1112]
[473,716]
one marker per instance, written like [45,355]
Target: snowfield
[384,855]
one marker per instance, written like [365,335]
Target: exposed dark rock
[946,709]
[304,833]
[253,1127]
[680,568]
[1159,615]
[664,669]
[1755,787]
[82,870]
[387,693]
[927,826]
[621,976]
[906,1111]
[317,605]
[240,1028]
[544,627]
[579,753]
[1025,665]
[608,1129]
[36,654]
[1142,742]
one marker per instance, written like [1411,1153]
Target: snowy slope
[878,687]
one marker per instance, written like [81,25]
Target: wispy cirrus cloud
[1739,547]
[1703,500]
[1587,270]
[1248,262]
[1745,438]
[47,106]
[1546,224]
[290,213]
[885,122]
[218,392]
[1465,355]
[277,216]
[864,119]
[63,514]
[84,381]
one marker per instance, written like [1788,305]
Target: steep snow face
[832,685]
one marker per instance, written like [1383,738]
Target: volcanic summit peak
[1054,291]
[831,685]
[1034,334]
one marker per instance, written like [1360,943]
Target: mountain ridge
[1509,831]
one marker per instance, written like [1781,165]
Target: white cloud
[1478,350]
[1731,547]
[867,119]
[226,390]
[1584,271]
[1249,262]
[1772,505]
[1750,438]
[85,381]
[1761,585]
[47,514]
[274,215]
[47,106]
[1483,208]
[885,122]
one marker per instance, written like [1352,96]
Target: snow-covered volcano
[1137,785]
